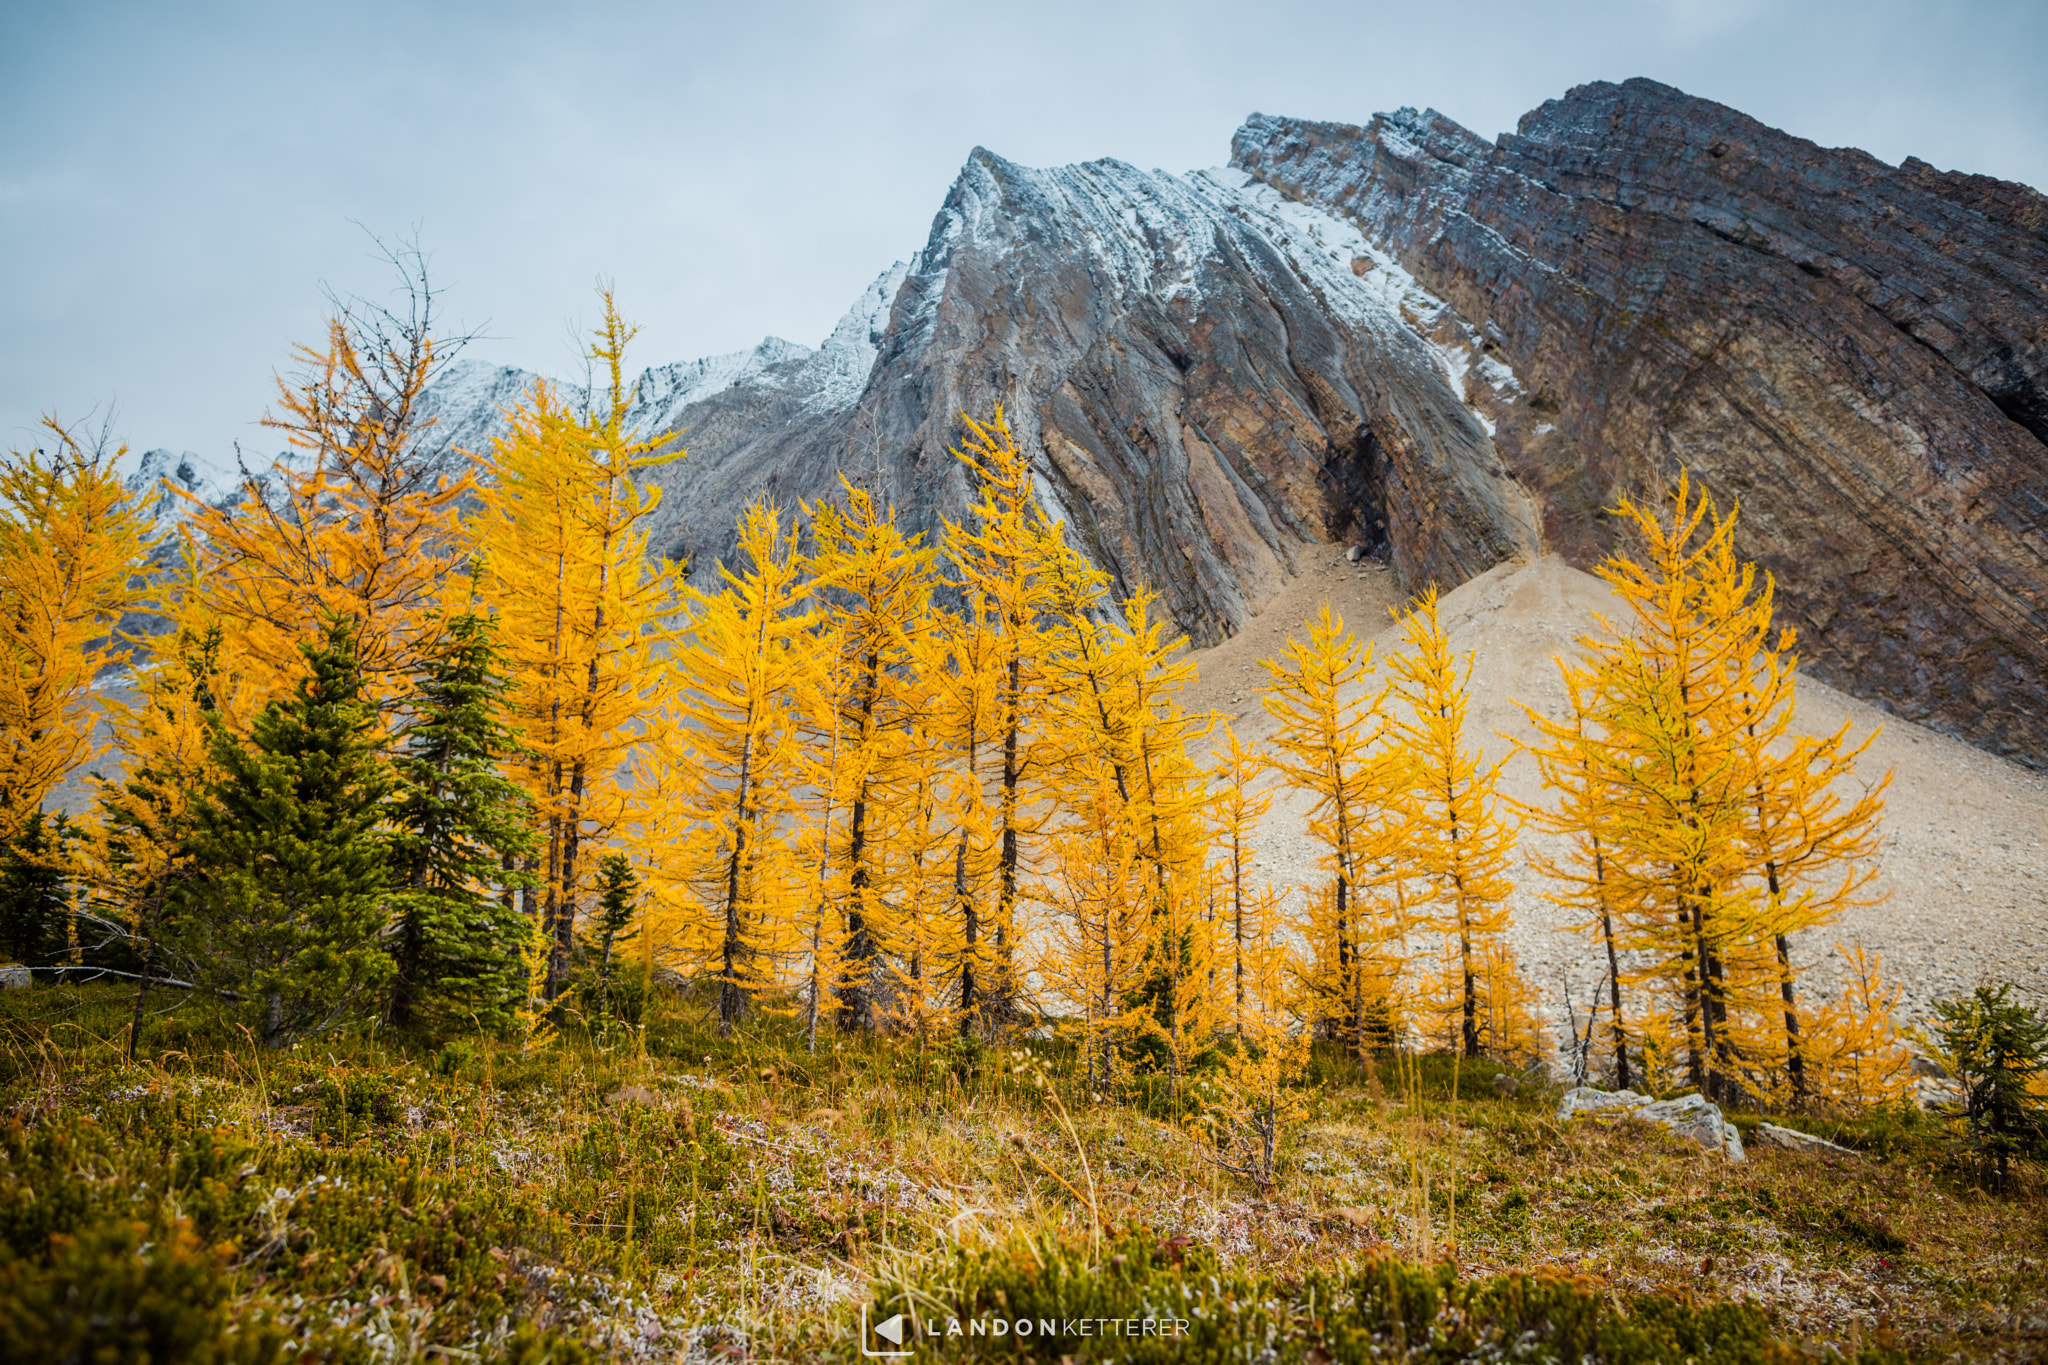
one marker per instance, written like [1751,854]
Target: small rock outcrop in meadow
[1690,1116]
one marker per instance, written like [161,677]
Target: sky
[182,186]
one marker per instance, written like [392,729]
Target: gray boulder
[14,977]
[1792,1140]
[1691,1117]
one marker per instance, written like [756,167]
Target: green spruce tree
[291,857]
[35,894]
[1997,1050]
[618,901]
[458,824]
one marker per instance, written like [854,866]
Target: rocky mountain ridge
[1453,351]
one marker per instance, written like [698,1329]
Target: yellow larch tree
[1668,692]
[1571,765]
[1098,947]
[915,839]
[1458,836]
[361,521]
[1330,727]
[1811,852]
[1238,806]
[1258,1096]
[1000,552]
[824,770]
[1857,1052]
[871,592]
[960,663]
[561,533]
[73,544]
[1103,890]
[1169,797]
[719,790]
[136,853]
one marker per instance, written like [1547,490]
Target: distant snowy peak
[160,475]
[470,400]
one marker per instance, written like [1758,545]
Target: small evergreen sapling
[1998,1050]
[35,896]
[618,904]
[457,823]
[291,856]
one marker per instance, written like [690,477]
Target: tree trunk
[565,910]
[856,991]
[970,999]
[731,997]
[1795,1055]
[1621,1072]
[142,988]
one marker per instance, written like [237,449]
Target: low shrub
[111,1294]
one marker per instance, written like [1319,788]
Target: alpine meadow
[981,905]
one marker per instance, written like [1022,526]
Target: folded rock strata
[1857,352]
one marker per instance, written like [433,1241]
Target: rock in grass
[637,1094]
[1691,1117]
[1358,1218]
[1792,1140]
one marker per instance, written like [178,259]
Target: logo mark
[888,1329]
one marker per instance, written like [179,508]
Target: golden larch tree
[871,593]
[73,543]
[1811,852]
[1458,833]
[1330,727]
[960,665]
[1684,706]
[1238,806]
[362,521]
[561,532]
[1000,552]
[720,796]
[1571,765]
[137,851]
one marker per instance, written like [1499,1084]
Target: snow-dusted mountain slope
[1210,376]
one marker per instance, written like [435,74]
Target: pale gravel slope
[1965,857]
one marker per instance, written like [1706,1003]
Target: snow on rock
[470,399]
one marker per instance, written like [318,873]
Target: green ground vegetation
[643,1190]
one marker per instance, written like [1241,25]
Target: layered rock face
[1209,378]
[1213,377]
[1858,352]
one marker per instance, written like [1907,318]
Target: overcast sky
[178,182]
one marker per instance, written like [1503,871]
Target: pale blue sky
[177,181]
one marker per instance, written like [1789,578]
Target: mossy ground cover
[668,1195]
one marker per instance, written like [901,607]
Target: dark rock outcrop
[1858,352]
